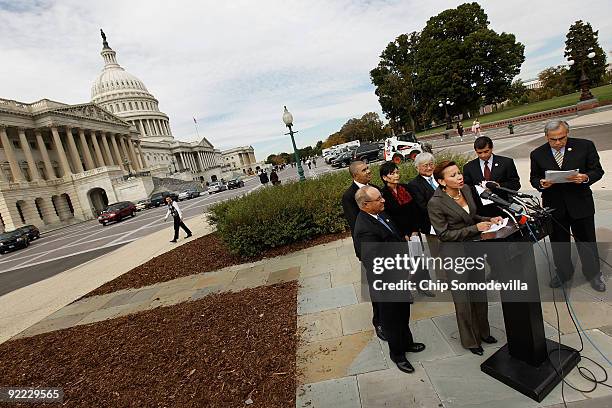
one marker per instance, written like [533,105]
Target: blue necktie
[431,183]
[379,218]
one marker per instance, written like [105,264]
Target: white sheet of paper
[479,190]
[497,227]
[559,176]
[432,231]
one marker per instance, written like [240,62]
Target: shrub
[291,212]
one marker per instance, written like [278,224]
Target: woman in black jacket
[401,208]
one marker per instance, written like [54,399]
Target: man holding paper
[570,195]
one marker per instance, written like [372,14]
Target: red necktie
[487,171]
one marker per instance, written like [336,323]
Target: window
[111,109]
[48,146]
[16,144]
[123,104]
[33,145]
[130,104]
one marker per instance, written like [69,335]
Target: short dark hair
[482,142]
[440,167]
[387,168]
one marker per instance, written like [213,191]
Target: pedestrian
[460,130]
[314,161]
[177,215]
[476,128]
[274,178]
[309,163]
[263,177]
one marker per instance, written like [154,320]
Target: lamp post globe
[288,119]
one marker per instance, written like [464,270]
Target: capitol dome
[126,96]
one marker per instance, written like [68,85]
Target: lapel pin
[569,149]
[496,164]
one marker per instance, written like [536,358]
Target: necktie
[432,183]
[379,218]
[559,157]
[487,171]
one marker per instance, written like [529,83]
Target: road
[63,249]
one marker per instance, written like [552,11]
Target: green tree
[554,82]
[581,40]
[517,90]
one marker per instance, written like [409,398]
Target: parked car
[116,212]
[10,241]
[369,152]
[188,194]
[235,183]
[343,160]
[31,230]
[158,199]
[216,187]
[143,204]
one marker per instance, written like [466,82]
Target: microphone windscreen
[490,185]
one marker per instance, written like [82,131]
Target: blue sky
[233,65]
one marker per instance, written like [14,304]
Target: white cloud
[235,64]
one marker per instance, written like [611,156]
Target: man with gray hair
[572,200]
[374,227]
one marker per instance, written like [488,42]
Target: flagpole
[196,126]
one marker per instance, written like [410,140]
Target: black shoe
[490,340]
[598,283]
[173,241]
[380,333]
[188,235]
[477,350]
[426,293]
[415,348]
[556,282]
[405,366]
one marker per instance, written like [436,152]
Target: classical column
[45,155]
[159,131]
[252,157]
[89,164]
[74,152]
[118,142]
[48,211]
[25,146]
[109,157]
[167,124]
[133,154]
[150,123]
[142,158]
[94,141]
[141,128]
[118,158]
[10,155]
[126,152]
[59,148]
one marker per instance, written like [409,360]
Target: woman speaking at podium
[452,212]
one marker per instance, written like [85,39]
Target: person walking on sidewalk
[177,215]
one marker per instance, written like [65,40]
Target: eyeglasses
[379,198]
[428,165]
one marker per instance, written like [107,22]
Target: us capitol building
[63,163]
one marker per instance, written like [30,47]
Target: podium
[529,362]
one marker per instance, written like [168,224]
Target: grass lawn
[602,93]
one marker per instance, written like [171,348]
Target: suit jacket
[451,222]
[568,198]
[349,205]
[372,232]
[503,171]
[421,192]
[405,217]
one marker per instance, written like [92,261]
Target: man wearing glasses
[572,201]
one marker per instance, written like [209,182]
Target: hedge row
[291,212]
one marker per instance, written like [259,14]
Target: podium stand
[529,362]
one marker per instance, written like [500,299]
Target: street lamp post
[288,119]
[446,115]
[585,93]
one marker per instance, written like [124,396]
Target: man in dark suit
[362,175]
[422,188]
[373,227]
[488,167]
[574,208]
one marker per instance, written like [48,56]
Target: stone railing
[93,172]
[10,105]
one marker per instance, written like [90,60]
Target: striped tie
[559,157]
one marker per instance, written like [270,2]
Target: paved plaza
[341,363]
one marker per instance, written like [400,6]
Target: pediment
[205,143]
[91,111]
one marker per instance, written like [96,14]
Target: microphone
[515,208]
[494,186]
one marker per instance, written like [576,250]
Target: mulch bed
[224,350]
[205,254]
